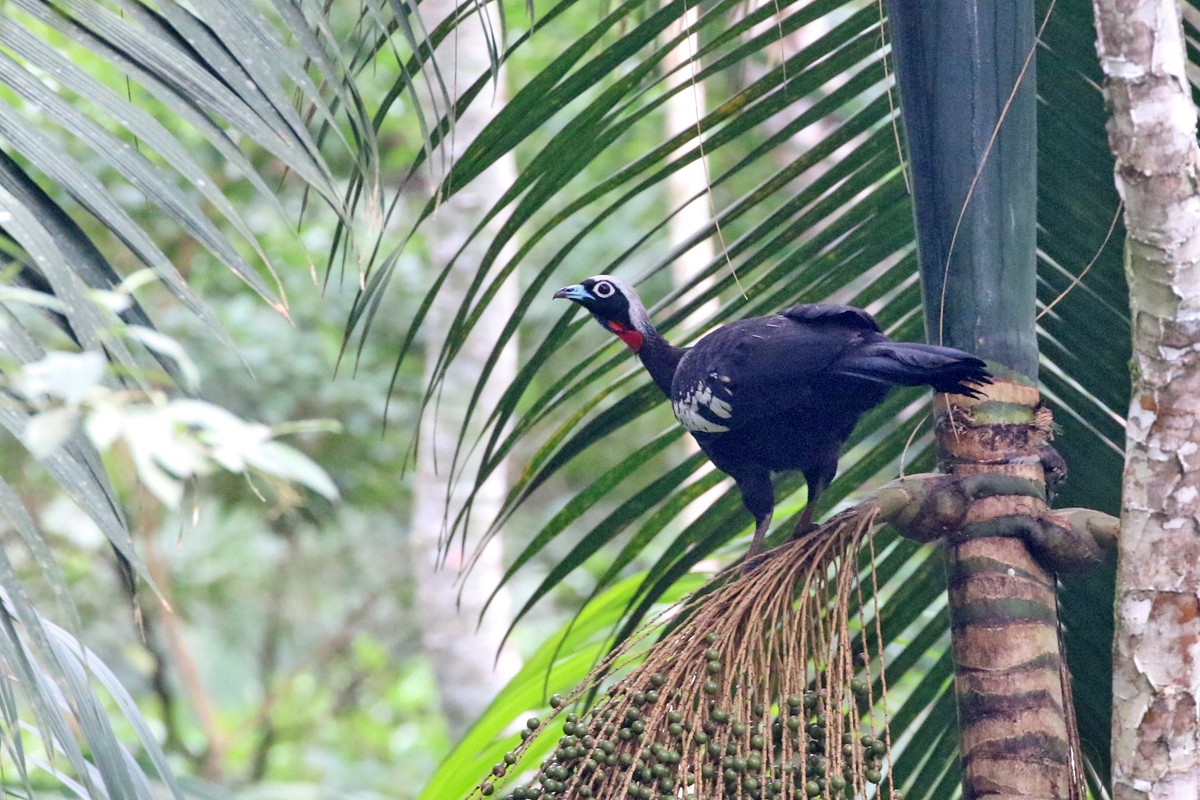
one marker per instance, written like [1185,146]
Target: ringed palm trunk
[971,148]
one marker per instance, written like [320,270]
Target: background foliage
[258,161]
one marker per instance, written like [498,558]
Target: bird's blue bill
[576,292]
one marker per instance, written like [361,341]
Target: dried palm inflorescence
[761,689]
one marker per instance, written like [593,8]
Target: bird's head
[614,304]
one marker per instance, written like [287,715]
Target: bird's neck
[659,358]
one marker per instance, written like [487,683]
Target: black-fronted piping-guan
[778,393]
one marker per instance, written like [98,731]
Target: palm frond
[57,678]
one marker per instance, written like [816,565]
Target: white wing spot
[687,410]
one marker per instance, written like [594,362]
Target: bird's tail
[910,364]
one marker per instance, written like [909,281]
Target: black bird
[778,393]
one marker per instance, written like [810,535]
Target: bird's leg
[816,484]
[805,524]
[756,544]
[759,498]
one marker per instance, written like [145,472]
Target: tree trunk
[687,186]
[967,90]
[462,652]
[1152,132]
[687,190]
[1008,670]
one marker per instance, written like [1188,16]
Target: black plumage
[777,393]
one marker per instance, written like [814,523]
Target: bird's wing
[755,368]
[829,317]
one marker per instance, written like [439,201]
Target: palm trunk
[1152,132]
[971,147]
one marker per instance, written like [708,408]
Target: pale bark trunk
[1152,132]
[463,653]
[687,189]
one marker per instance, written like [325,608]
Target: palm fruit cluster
[758,689]
[653,740]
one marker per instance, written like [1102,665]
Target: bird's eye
[603,289]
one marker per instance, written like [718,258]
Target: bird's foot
[752,562]
[755,552]
[802,530]
[806,524]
